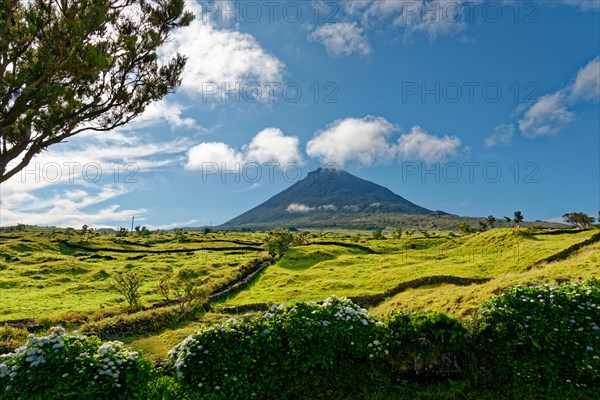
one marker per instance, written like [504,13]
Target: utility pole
[132,219]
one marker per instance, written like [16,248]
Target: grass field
[48,273]
[315,271]
[45,275]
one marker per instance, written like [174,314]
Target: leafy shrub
[134,324]
[320,334]
[426,343]
[72,366]
[378,234]
[11,338]
[279,241]
[236,359]
[256,357]
[128,285]
[542,334]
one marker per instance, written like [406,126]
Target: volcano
[326,198]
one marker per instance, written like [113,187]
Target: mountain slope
[326,194]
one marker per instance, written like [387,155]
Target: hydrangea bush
[543,334]
[255,357]
[65,366]
[426,344]
[319,334]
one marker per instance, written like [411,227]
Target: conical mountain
[323,194]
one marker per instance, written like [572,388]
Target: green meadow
[52,276]
[47,274]
[505,256]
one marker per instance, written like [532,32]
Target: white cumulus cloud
[341,39]
[360,139]
[213,153]
[271,145]
[420,145]
[220,59]
[268,146]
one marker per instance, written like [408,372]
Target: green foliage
[544,335]
[138,323]
[278,241]
[256,357]
[189,295]
[128,285]
[10,338]
[72,366]
[121,232]
[426,343]
[482,225]
[465,228]
[80,65]
[378,234]
[518,217]
[491,220]
[181,236]
[578,219]
[398,233]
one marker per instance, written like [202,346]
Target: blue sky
[473,108]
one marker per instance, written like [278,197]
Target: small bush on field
[134,324]
[72,366]
[543,335]
[11,338]
[256,357]
[128,285]
[426,344]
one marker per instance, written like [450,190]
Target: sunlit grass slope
[41,276]
[315,271]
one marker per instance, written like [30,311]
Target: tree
[190,295]
[578,219]
[398,233]
[465,228]
[518,218]
[378,234]
[279,241]
[483,225]
[71,66]
[85,231]
[491,220]
[128,284]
